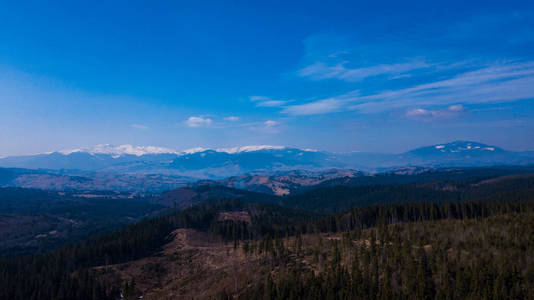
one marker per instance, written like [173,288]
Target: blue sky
[385,76]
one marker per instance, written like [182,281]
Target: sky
[380,76]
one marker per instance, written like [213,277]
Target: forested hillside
[36,221]
[411,244]
[339,198]
[483,258]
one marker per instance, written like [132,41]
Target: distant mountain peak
[224,162]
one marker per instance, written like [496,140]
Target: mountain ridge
[202,163]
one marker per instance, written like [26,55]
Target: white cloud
[270,123]
[198,122]
[139,126]
[232,118]
[421,114]
[456,107]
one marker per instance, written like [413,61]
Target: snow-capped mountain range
[117,151]
[224,162]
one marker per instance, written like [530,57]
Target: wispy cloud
[139,126]
[231,119]
[321,70]
[258,98]
[263,101]
[272,103]
[501,82]
[498,82]
[423,70]
[198,122]
[313,108]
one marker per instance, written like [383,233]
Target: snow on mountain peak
[234,150]
[249,148]
[117,151]
[463,146]
[194,150]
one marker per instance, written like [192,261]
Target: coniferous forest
[404,241]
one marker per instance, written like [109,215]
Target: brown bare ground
[241,216]
[192,266]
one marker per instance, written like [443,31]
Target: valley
[425,233]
